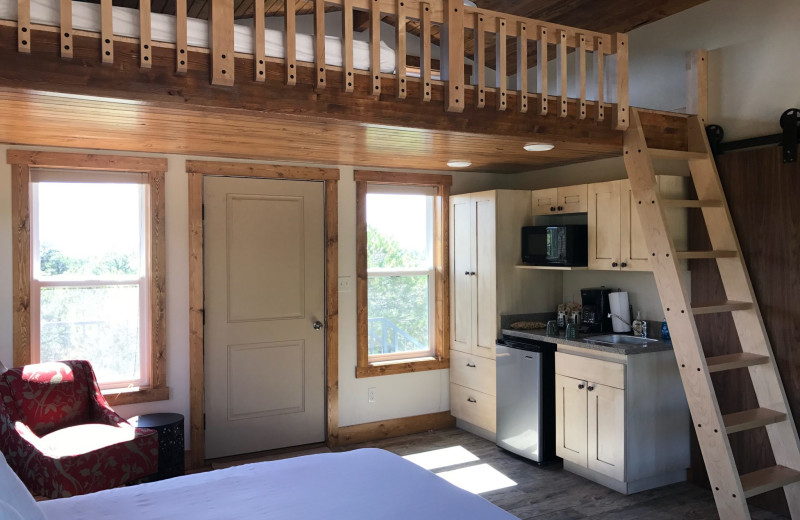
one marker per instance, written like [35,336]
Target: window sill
[118,397]
[389,368]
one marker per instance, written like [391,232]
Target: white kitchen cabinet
[565,199]
[485,247]
[622,421]
[616,238]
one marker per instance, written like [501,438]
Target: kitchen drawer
[474,407]
[473,372]
[591,370]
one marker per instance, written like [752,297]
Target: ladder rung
[734,361]
[680,155]
[726,306]
[701,255]
[677,203]
[767,479]
[749,419]
[686,173]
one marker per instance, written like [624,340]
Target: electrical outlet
[345,283]
[371,395]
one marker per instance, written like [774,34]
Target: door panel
[461,283]
[571,420]
[572,199]
[544,202]
[485,294]
[264,288]
[606,438]
[634,251]
[604,225]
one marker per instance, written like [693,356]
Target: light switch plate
[345,283]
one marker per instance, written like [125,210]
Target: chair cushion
[15,496]
[83,438]
[49,396]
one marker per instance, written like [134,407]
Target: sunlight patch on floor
[477,479]
[442,458]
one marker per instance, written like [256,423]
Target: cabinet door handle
[581,386]
[472,273]
[560,208]
[624,264]
[466,273]
[470,365]
[590,388]
[471,400]
[614,264]
[552,208]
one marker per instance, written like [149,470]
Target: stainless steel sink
[618,339]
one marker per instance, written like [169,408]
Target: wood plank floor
[554,494]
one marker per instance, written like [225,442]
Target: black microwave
[565,246]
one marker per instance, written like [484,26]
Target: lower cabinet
[473,389]
[621,421]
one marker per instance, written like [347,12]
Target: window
[95,272]
[401,267]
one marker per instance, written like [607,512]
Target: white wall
[396,396]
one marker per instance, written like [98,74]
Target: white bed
[86,17]
[361,484]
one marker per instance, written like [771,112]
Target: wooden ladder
[730,489]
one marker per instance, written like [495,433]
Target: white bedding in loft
[86,17]
[361,484]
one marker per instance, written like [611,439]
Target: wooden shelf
[551,267]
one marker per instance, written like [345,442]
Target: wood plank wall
[761,193]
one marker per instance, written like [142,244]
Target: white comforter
[86,17]
[361,484]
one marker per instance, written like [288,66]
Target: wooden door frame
[196,170]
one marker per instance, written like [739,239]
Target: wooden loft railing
[608,53]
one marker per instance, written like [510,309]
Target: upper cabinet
[553,201]
[616,238]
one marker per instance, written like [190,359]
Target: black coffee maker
[594,317]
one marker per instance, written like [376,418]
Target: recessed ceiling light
[538,147]
[459,163]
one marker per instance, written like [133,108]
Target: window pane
[398,309]
[100,324]
[89,230]
[399,231]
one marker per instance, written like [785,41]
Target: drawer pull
[470,365]
[471,400]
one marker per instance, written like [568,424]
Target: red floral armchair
[61,437]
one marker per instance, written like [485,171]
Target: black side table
[170,442]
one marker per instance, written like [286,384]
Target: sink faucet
[620,318]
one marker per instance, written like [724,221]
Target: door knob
[590,388]
[624,264]
[614,264]
[317,325]
[466,273]
[581,386]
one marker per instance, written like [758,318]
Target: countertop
[626,350]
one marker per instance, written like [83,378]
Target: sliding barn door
[264,302]
[762,195]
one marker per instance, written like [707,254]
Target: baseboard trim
[395,427]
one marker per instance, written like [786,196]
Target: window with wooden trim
[402,286]
[93,269]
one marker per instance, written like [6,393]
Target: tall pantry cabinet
[485,242]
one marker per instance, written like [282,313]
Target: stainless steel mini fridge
[526,408]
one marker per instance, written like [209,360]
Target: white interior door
[264,291]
